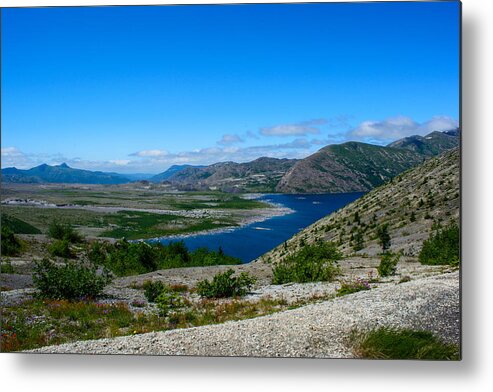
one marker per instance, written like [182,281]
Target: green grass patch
[134,225]
[350,287]
[18,226]
[42,217]
[40,323]
[218,201]
[386,343]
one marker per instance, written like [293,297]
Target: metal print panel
[268,180]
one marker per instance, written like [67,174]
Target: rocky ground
[319,330]
[429,300]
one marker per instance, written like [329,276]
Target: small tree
[63,231]
[388,264]
[384,237]
[443,246]
[357,218]
[358,241]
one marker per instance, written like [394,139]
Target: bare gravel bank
[318,330]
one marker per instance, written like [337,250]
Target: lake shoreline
[260,234]
[260,215]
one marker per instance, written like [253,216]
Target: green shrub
[388,264]
[7,268]
[349,287]
[413,217]
[226,285]
[168,300]
[61,248]
[386,343]
[153,289]
[315,262]
[63,231]
[11,245]
[443,246]
[69,281]
[132,258]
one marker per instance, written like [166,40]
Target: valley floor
[133,211]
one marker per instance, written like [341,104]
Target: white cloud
[398,127]
[296,144]
[120,162]
[229,139]
[439,123]
[156,160]
[150,153]
[12,156]
[11,152]
[298,129]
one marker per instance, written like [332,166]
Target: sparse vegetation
[39,323]
[404,279]
[352,286]
[386,343]
[312,263]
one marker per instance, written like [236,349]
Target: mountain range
[346,167]
[260,175]
[61,174]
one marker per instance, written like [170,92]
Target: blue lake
[253,240]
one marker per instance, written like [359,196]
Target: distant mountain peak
[64,166]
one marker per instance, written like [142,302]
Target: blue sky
[137,89]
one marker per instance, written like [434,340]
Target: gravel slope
[318,330]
